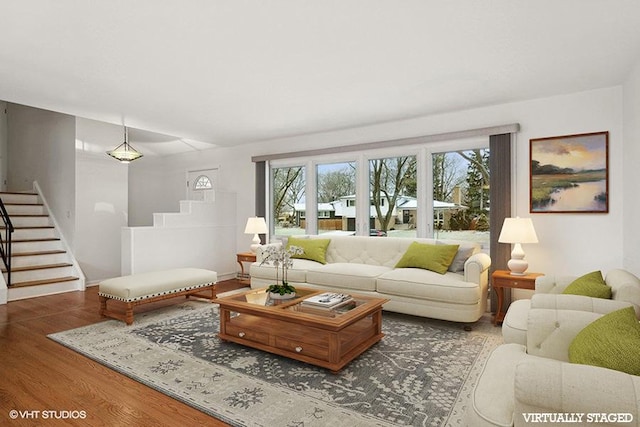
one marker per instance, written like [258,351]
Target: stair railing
[5,241]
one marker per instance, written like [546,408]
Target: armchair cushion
[591,285]
[611,341]
[550,386]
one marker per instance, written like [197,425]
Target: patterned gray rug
[420,374]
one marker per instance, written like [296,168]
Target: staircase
[40,262]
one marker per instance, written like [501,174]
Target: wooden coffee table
[327,338]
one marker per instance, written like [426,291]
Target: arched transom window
[202,183]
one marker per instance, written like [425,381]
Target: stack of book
[328,301]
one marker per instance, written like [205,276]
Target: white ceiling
[237,71]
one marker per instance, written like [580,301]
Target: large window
[288,184]
[461,195]
[336,188]
[439,191]
[393,186]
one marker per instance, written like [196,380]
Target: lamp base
[518,267]
[256,243]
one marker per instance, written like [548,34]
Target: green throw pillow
[436,258]
[611,342]
[591,285]
[314,249]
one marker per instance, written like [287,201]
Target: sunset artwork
[569,174]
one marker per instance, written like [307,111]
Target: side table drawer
[247,334]
[246,258]
[514,283]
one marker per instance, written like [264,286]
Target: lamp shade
[124,152]
[518,230]
[255,225]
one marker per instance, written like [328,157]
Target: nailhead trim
[187,288]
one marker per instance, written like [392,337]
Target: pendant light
[124,152]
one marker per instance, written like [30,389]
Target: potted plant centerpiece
[280,258]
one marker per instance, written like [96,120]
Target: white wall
[631,225]
[156,185]
[101,200]
[41,148]
[569,243]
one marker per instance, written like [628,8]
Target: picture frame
[569,174]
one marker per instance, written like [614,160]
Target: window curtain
[261,193]
[500,184]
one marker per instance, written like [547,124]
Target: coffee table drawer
[247,334]
[305,349]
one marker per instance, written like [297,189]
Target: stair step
[22,209]
[43,281]
[44,239]
[18,198]
[20,193]
[38,267]
[30,227]
[39,253]
[22,204]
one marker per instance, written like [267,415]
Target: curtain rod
[470,133]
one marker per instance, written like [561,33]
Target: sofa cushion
[463,254]
[436,258]
[313,249]
[359,277]
[611,342]
[296,273]
[591,285]
[428,285]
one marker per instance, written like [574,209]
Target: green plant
[282,289]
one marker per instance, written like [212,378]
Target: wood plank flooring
[38,374]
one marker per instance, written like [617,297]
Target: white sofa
[520,380]
[365,265]
[625,291]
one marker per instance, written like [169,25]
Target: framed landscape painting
[570,174]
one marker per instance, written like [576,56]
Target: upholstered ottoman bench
[144,288]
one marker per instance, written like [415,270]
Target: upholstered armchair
[519,381]
[625,291]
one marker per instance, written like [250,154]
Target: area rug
[420,374]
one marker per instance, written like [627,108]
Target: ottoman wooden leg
[128,318]
[103,305]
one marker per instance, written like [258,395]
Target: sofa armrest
[577,302]
[546,386]
[476,268]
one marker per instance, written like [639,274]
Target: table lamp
[255,225]
[517,230]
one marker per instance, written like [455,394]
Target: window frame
[424,165]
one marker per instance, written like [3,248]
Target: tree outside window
[390,180]
[288,193]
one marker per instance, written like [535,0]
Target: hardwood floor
[38,374]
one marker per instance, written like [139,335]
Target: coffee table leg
[225,316]
[377,320]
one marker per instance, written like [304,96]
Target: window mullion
[311,200]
